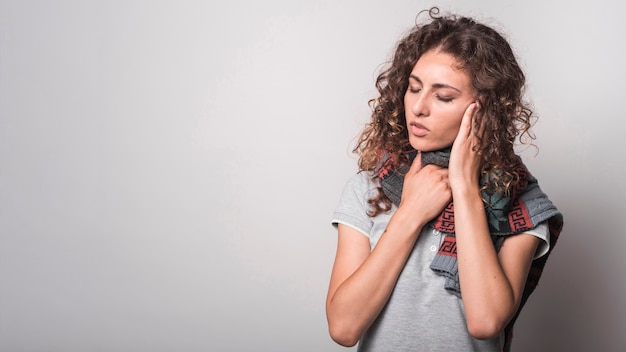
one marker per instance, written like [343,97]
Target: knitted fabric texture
[525,208]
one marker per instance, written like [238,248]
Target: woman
[443,233]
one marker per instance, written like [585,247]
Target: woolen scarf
[523,209]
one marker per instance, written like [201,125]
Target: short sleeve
[542,232]
[353,206]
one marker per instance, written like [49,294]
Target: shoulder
[360,186]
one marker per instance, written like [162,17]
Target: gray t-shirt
[420,314]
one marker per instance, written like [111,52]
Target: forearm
[358,300]
[487,294]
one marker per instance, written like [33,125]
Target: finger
[466,123]
[417,163]
[479,124]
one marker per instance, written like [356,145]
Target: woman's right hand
[362,281]
[426,192]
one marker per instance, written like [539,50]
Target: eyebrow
[436,85]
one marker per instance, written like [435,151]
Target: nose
[419,105]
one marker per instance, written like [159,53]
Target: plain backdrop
[169,169]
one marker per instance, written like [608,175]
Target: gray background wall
[168,169]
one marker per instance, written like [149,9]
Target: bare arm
[491,283]
[362,281]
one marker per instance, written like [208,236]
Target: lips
[417,129]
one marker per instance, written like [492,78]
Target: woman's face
[434,103]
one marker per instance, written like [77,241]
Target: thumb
[417,164]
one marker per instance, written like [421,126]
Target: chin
[427,147]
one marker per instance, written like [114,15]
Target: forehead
[439,67]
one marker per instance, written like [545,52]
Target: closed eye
[444,99]
[415,89]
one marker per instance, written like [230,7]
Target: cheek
[454,117]
[453,124]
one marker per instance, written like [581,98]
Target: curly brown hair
[496,77]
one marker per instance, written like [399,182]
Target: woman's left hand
[465,162]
